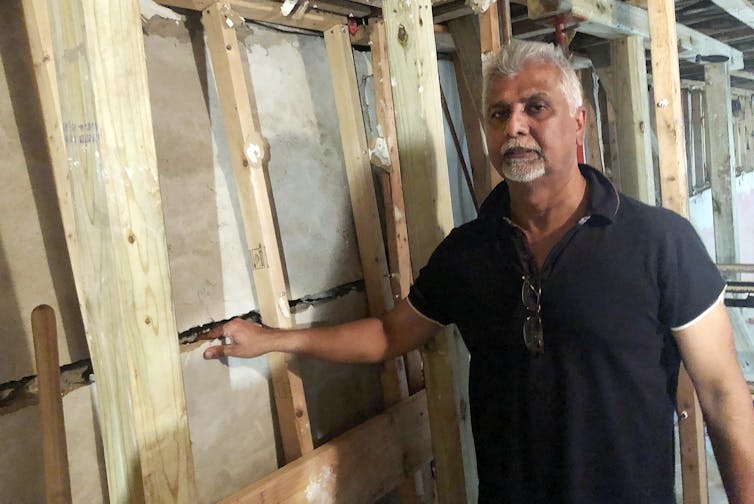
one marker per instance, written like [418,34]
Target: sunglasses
[530,297]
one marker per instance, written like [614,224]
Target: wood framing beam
[248,154]
[363,202]
[697,120]
[490,42]
[99,131]
[267,11]
[467,61]
[419,121]
[359,466]
[615,19]
[674,188]
[722,160]
[632,117]
[399,258]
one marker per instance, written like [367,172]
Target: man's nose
[517,123]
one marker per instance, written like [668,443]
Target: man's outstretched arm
[710,357]
[367,340]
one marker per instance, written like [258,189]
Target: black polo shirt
[591,419]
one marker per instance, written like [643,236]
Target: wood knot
[131,237]
[402,35]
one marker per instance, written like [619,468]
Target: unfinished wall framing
[423,216]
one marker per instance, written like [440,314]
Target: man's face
[530,130]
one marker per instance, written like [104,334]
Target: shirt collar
[604,199]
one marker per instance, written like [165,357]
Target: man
[577,305]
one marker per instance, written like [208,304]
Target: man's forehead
[533,79]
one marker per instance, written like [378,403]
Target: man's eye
[498,115]
[536,107]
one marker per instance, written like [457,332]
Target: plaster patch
[253,153]
[398,215]
[380,151]
[283,306]
[320,488]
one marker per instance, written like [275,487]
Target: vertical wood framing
[688,128]
[54,447]
[697,122]
[674,188]
[629,77]
[593,135]
[467,61]
[413,66]
[361,188]
[365,213]
[248,154]
[722,160]
[103,156]
[399,258]
[490,43]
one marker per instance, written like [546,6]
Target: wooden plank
[615,19]
[722,160]
[413,65]
[366,217]
[489,30]
[697,121]
[688,128]
[248,154]
[629,71]
[399,258]
[467,61]
[267,11]
[359,466]
[120,254]
[363,203]
[54,448]
[672,159]
[490,42]
[593,135]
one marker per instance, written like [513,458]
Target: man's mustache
[511,146]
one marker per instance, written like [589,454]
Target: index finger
[214,333]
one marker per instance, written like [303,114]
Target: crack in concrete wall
[21,393]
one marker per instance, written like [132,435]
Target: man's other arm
[368,340]
[709,355]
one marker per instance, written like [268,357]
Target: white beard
[520,170]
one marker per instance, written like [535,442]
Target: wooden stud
[672,159]
[490,42]
[413,65]
[467,61]
[489,30]
[361,188]
[688,128]
[629,78]
[399,258]
[359,466]
[722,161]
[248,154]
[593,136]
[54,448]
[119,253]
[697,129]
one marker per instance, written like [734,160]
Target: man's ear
[580,118]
